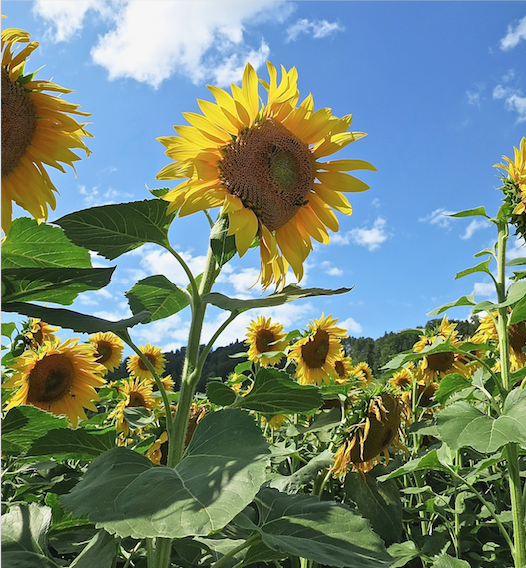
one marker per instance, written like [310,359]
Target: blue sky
[439,87]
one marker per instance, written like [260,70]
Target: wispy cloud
[473,227]
[330,269]
[438,217]
[514,36]
[513,100]
[94,197]
[371,238]
[317,28]
[149,42]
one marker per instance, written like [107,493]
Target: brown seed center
[104,351]
[136,399]
[314,352]
[440,362]
[340,369]
[150,358]
[263,340]
[271,170]
[50,379]
[517,335]
[19,122]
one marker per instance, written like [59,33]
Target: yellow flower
[136,392]
[316,354]
[158,451]
[401,380]
[109,349]
[343,368]
[275,422]
[138,369]
[37,332]
[363,373]
[59,378]
[365,441]
[260,163]
[264,337]
[437,365]
[516,170]
[37,131]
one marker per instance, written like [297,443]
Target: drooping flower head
[109,349]
[134,392]
[37,131]
[158,451]
[264,337]
[369,436]
[38,331]
[316,354]
[137,368]
[260,163]
[60,378]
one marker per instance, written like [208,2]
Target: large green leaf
[29,244]
[220,474]
[446,561]
[59,285]
[24,537]
[519,312]
[463,301]
[100,551]
[380,503]
[23,424]
[112,230]
[275,392]
[516,292]
[478,211]
[449,385]
[223,246]
[157,295]
[482,267]
[288,294]
[219,393]
[69,319]
[429,461]
[323,531]
[462,425]
[73,444]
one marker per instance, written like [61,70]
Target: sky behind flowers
[439,87]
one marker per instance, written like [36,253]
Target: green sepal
[223,245]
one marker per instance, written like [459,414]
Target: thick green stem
[224,559]
[517,502]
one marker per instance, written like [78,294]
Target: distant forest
[375,352]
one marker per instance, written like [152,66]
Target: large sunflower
[37,130]
[516,170]
[136,392]
[265,337]
[109,349]
[316,354]
[59,378]
[260,163]
[137,368]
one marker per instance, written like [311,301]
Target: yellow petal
[345,165]
[244,225]
[338,181]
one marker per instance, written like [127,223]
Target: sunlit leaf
[478,211]
[463,301]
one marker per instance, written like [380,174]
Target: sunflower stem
[231,553]
[188,272]
[518,508]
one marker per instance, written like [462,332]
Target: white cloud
[513,100]
[156,261]
[473,98]
[94,197]
[330,269]
[371,238]
[438,217]
[486,289]
[351,325]
[318,29]
[375,202]
[517,249]
[514,35]
[474,226]
[150,41]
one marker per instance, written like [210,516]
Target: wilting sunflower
[138,369]
[109,349]
[265,337]
[365,440]
[59,378]
[487,331]
[136,392]
[37,131]
[37,332]
[435,366]
[316,354]
[260,163]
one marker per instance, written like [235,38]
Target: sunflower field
[301,458]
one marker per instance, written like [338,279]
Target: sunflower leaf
[449,385]
[73,444]
[219,393]
[157,295]
[125,493]
[112,230]
[323,531]
[516,292]
[288,294]
[429,461]
[69,319]
[100,551]
[275,392]
[223,245]
[519,312]
[463,301]
[58,285]
[29,244]
[482,267]
[461,425]
[478,211]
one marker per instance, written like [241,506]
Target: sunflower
[158,451]
[59,378]
[516,171]
[109,349]
[265,337]
[275,422]
[37,130]
[167,382]
[37,332]
[364,441]
[260,163]
[437,365]
[138,369]
[401,380]
[136,392]
[363,373]
[316,354]
[343,368]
